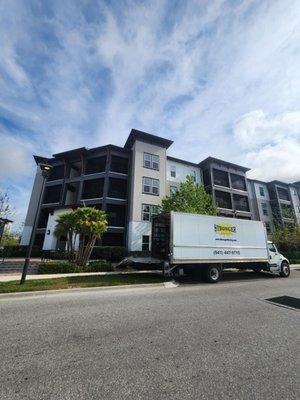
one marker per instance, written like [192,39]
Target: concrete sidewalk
[15,277]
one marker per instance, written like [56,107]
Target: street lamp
[46,170]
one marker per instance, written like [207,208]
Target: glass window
[223,199]
[151,186]
[173,171]
[238,182]
[283,194]
[193,175]
[271,247]
[241,202]
[151,161]
[173,189]
[262,191]
[148,210]
[145,242]
[264,207]
[220,178]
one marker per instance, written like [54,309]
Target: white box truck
[211,244]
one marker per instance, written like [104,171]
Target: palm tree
[85,223]
[66,226]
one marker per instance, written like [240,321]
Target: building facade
[129,183]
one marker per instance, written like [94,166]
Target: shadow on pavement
[228,276]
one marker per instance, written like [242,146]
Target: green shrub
[293,256]
[110,253]
[20,251]
[99,266]
[55,267]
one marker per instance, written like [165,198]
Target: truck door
[274,256]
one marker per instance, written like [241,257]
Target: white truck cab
[278,263]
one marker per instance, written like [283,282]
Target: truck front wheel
[213,274]
[285,270]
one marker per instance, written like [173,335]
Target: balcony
[221,178]
[93,189]
[116,215]
[119,165]
[117,188]
[223,199]
[241,203]
[58,172]
[95,165]
[71,193]
[238,182]
[52,194]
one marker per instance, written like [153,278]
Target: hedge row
[64,267]
[293,256]
[109,253]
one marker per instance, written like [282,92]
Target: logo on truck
[225,230]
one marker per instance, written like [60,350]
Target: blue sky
[220,78]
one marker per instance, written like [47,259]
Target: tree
[85,224]
[288,237]
[190,197]
[5,208]
[66,226]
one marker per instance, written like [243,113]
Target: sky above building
[220,78]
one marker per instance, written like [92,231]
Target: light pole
[46,172]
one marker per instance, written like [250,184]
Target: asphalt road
[195,341]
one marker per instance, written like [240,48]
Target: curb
[37,293]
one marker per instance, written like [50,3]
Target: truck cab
[277,262]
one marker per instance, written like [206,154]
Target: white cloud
[271,145]
[15,157]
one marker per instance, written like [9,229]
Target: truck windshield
[271,247]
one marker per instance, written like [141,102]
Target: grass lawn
[80,282]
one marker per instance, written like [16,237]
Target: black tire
[213,274]
[285,270]
[256,270]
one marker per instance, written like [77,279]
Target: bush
[20,251]
[99,266]
[110,253]
[62,267]
[293,256]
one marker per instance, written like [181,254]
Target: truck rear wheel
[257,270]
[285,270]
[213,274]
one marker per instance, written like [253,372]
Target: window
[193,175]
[268,227]
[220,178]
[241,202]
[283,194]
[262,191]
[238,182]
[173,171]
[148,210]
[145,242]
[173,189]
[151,161]
[271,247]
[223,199]
[151,186]
[264,208]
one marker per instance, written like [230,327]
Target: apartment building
[129,183]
